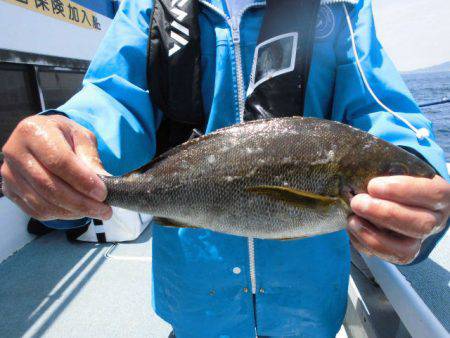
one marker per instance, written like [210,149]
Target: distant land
[443,67]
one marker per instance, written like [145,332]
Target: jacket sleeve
[354,104]
[114,102]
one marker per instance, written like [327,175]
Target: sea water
[427,87]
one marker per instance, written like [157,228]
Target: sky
[415,33]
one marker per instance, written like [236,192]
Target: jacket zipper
[236,36]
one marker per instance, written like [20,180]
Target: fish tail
[115,187]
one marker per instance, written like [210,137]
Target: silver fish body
[280,178]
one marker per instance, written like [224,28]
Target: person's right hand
[50,170]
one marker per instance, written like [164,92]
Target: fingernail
[99,194]
[361,203]
[380,185]
[379,180]
[354,226]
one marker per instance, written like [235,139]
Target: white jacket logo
[180,15]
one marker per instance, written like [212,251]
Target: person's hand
[397,214]
[50,170]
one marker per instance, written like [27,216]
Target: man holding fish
[261,186]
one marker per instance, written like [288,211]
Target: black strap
[37,228]
[172,133]
[174,61]
[174,70]
[282,59]
[73,234]
[101,236]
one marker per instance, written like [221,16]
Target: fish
[278,179]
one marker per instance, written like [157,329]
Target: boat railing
[375,282]
[414,314]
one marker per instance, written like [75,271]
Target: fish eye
[397,168]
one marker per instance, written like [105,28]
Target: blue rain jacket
[203,281]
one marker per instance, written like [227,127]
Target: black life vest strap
[282,59]
[172,133]
[173,70]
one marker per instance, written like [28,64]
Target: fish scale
[281,178]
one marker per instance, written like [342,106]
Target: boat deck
[54,288]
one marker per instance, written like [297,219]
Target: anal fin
[172,223]
[290,239]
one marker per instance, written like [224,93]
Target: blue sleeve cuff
[429,244]
[53,112]
[67,225]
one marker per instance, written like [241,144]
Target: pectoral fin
[294,197]
[172,223]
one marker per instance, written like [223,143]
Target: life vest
[279,75]
[173,70]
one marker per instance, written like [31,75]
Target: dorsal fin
[153,163]
[184,146]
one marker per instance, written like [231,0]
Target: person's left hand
[397,214]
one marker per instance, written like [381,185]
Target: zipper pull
[235,33]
